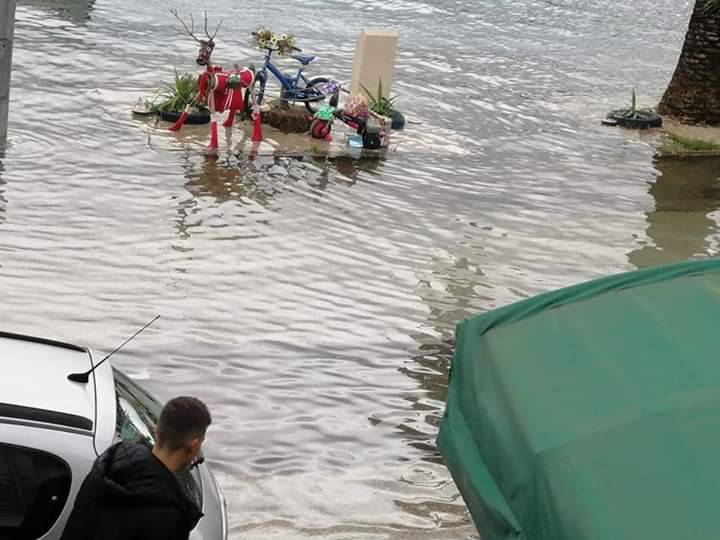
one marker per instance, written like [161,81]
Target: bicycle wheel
[314,95]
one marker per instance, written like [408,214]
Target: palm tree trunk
[694,91]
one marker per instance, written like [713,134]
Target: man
[132,492]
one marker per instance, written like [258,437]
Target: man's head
[181,429]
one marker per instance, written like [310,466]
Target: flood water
[312,303]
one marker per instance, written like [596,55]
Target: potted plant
[385,106]
[170,101]
[632,117]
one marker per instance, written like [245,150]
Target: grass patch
[677,144]
[698,145]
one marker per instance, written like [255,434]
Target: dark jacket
[129,494]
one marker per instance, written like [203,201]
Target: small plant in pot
[632,117]
[170,101]
[385,106]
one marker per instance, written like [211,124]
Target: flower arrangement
[267,39]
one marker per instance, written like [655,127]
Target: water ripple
[312,302]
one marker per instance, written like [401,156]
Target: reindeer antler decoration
[191,31]
[217,28]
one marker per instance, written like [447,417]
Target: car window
[137,416]
[34,487]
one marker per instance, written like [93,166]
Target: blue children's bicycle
[296,88]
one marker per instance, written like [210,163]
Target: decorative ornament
[357,107]
[325,112]
[234,81]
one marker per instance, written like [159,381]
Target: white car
[52,429]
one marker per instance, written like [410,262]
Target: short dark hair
[181,420]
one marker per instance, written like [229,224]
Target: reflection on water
[350,168]
[226,179]
[451,292]
[77,11]
[3,200]
[259,179]
[683,223]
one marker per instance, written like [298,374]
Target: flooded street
[311,302]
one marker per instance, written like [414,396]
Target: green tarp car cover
[592,412]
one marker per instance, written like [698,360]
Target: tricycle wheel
[315,85]
[320,129]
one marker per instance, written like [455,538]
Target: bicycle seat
[304,59]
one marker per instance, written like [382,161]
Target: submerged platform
[237,140]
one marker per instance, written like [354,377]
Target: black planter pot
[639,120]
[640,123]
[202,118]
[398,120]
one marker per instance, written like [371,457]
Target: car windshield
[137,416]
